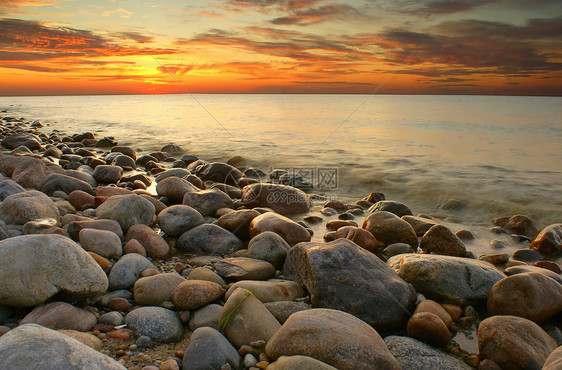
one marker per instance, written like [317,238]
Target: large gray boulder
[447,279]
[128,270]
[209,239]
[36,267]
[334,272]
[128,210]
[160,324]
[32,346]
[19,208]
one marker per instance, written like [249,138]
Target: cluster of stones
[100,245]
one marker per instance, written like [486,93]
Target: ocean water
[498,155]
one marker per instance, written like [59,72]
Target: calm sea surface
[499,155]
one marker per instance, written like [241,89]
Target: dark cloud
[35,68]
[317,15]
[435,7]
[135,36]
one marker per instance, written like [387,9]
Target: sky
[72,47]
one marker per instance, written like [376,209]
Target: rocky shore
[112,258]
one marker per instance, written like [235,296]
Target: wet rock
[128,270]
[447,279]
[80,199]
[396,249]
[282,310]
[209,349]
[102,242]
[30,173]
[389,229]
[530,295]
[333,272]
[219,172]
[334,225]
[242,268]
[238,222]
[157,289]
[58,181]
[126,150]
[361,237]
[208,239]
[517,224]
[14,141]
[207,202]
[154,245]
[9,187]
[421,225]
[205,273]
[526,268]
[75,227]
[177,219]
[549,240]
[315,333]
[36,267]
[288,229]
[440,240]
[429,328]
[431,306]
[282,199]
[549,265]
[159,324]
[19,208]
[107,174]
[412,354]
[452,205]
[128,210]
[205,316]
[527,255]
[399,209]
[496,259]
[35,347]
[514,342]
[175,188]
[61,315]
[269,291]
[465,235]
[244,319]
[124,161]
[193,294]
[270,247]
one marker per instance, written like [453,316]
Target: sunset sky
[61,47]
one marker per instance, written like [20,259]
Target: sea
[498,155]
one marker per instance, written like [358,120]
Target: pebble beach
[112,257]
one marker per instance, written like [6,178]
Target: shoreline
[81,155]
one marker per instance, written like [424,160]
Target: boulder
[270,290]
[37,267]
[108,174]
[333,337]
[9,187]
[243,268]
[399,209]
[514,342]
[412,354]
[19,208]
[282,310]
[128,270]
[193,294]
[61,315]
[244,319]
[205,316]
[30,173]
[208,239]
[219,172]
[447,279]
[421,225]
[440,240]
[359,236]
[207,202]
[288,229]
[174,188]
[531,295]
[549,240]
[61,182]
[336,271]
[209,349]
[270,247]
[154,245]
[177,219]
[157,289]
[388,228]
[283,199]
[429,328]
[75,227]
[238,222]
[159,324]
[104,243]
[15,141]
[33,346]
[128,210]
[517,224]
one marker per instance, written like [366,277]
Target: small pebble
[497,244]
[144,342]
[250,360]
[262,365]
